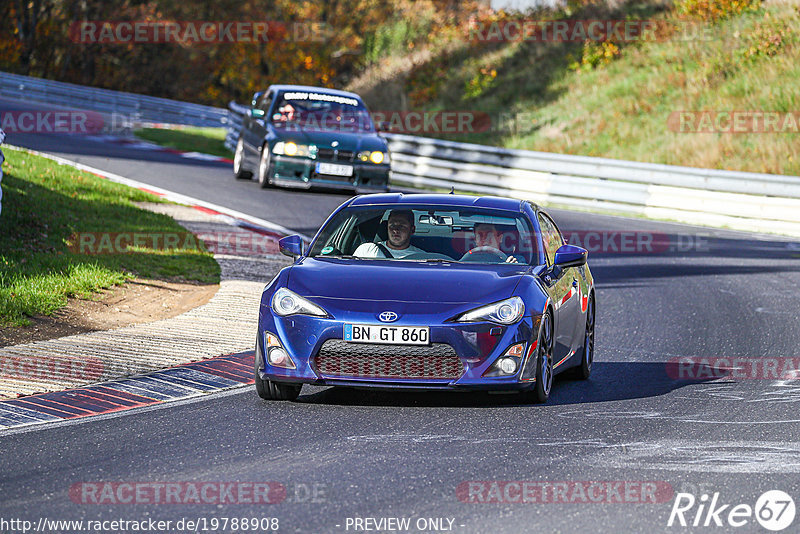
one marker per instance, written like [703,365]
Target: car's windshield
[428,234]
[300,110]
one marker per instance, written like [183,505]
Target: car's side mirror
[570,256]
[256,96]
[291,246]
[257,113]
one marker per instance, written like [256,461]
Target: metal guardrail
[130,107]
[748,201]
[738,200]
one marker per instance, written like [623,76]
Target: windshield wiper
[438,260]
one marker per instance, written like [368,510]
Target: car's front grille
[332,154]
[337,358]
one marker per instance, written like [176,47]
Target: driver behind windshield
[487,236]
[287,113]
[398,245]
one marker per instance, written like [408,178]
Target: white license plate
[334,170]
[395,335]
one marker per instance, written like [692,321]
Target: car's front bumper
[289,171]
[476,346]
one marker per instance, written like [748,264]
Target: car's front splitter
[511,384]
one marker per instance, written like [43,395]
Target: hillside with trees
[609,96]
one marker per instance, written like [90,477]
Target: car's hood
[347,141]
[402,281]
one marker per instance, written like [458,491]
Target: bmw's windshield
[428,234]
[305,111]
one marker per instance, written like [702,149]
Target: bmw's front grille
[337,358]
[332,154]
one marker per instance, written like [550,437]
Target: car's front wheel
[544,363]
[238,162]
[269,390]
[265,169]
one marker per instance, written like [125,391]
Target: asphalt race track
[345,454]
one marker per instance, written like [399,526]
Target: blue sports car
[428,291]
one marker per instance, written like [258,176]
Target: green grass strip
[46,208]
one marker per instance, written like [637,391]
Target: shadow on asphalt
[610,381]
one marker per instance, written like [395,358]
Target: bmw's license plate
[334,169]
[394,335]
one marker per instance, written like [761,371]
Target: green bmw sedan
[301,137]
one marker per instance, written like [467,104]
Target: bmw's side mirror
[291,246]
[570,256]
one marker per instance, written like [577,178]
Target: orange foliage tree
[316,42]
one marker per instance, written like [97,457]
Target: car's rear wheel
[269,390]
[583,370]
[265,169]
[238,162]
[544,363]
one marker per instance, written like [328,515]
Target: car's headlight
[507,311]
[285,302]
[289,148]
[375,156]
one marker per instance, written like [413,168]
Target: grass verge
[45,209]
[203,140]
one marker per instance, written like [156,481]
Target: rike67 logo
[774,510]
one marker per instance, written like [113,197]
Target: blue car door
[571,308]
[563,289]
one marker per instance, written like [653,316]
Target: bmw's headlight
[289,148]
[507,311]
[375,156]
[285,302]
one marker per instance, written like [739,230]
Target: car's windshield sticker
[322,97]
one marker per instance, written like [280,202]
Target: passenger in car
[398,245]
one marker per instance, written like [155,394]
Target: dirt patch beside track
[137,301]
